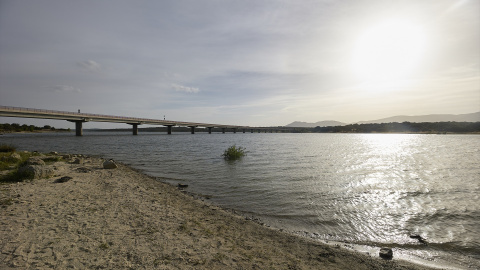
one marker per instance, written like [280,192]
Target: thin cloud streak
[181,88]
[65,89]
[89,65]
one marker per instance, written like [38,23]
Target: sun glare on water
[388,51]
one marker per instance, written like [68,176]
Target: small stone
[182,185]
[78,161]
[54,153]
[109,164]
[386,253]
[419,238]
[67,156]
[83,170]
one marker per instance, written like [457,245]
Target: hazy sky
[256,63]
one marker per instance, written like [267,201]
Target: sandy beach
[122,219]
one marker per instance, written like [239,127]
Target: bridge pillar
[223,130]
[78,128]
[169,129]
[134,129]
[210,130]
[192,128]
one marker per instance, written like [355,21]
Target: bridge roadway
[80,118]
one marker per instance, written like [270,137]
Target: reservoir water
[369,190]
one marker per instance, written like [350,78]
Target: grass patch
[219,257]
[52,159]
[6,202]
[16,176]
[8,161]
[183,227]
[5,165]
[165,259]
[11,164]
[234,153]
[104,246]
[6,148]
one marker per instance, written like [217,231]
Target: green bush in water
[234,152]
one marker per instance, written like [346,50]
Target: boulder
[37,171]
[109,164]
[67,156]
[15,156]
[35,161]
[386,253]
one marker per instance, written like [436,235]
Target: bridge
[80,118]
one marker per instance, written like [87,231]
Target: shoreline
[121,218]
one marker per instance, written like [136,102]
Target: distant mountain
[469,117]
[317,124]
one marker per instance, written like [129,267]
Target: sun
[388,51]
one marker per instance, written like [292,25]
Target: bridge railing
[21,109]
[133,119]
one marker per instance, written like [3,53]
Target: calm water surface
[368,189]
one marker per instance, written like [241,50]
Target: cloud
[186,89]
[89,65]
[66,89]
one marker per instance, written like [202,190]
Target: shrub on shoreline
[234,152]
[11,162]
[5,148]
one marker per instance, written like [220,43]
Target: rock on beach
[109,164]
[386,253]
[35,161]
[37,171]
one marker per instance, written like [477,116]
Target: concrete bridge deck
[79,118]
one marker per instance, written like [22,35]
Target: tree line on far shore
[26,128]
[405,127]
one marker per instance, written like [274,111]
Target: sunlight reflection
[383,186]
[387,143]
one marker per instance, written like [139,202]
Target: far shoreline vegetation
[17,128]
[398,128]
[406,127]
[394,127]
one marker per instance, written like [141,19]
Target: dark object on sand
[83,170]
[420,239]
[386,253]
[64,179]
[182,185]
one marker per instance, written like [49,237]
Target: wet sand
[123,219]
